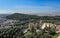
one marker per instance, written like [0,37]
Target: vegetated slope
[50,17]
[18,16]
[22,17]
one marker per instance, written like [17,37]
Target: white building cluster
[44,25]
[6,23]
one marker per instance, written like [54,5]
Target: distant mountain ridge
[19,16]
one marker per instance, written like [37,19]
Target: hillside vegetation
[17,30]
[18,16]
[24,17]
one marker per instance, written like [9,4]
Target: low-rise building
[48,25]
[7,23]
[58,29]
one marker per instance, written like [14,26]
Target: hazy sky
[30,6]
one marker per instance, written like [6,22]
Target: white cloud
[28,10]
[32,7]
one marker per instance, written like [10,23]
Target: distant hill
[26,17]
[18,16]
